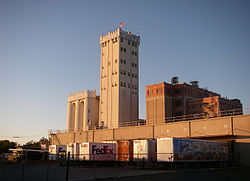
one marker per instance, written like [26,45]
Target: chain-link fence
[92,166]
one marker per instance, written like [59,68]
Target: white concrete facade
[83,110]
[119,78]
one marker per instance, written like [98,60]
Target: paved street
[40,172]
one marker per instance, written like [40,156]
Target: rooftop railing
[141,122]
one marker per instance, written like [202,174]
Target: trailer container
[125,151]
[179,149]
[144,150]
[97,151]
[56,150]
[73,148]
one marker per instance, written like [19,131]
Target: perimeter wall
[235,129]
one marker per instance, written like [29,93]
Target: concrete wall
[178,129]
[241,125]
[211,127]
[132,133]
[215,127]
[235,128]
[103,135]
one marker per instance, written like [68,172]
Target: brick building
[166,100]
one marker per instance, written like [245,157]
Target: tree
[5,145]
[32,143]
[44,141]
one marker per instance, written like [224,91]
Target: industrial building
[83,109]
[166,100]
[119,78]
[119,95]
[97,119]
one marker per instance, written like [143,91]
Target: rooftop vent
[195,83]
[175,80]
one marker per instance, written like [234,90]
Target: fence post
[23,168]
[67,168]
[47,168]
[115,165]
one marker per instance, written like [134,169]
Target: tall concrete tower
[119,78]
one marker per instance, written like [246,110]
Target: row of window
[123,49]
[134,92]
[114,40]
[158,91]
[133,44]
[123,72]
[129,43]
[134,65]
[124,62]
[134,53]
[123,84]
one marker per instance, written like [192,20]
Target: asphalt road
[44,172]
[229,174]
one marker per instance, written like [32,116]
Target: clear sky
[50,48]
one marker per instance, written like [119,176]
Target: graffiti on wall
[200,150]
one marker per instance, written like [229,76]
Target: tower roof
[120,33]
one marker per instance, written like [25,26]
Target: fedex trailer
[144,150]
[97,151]
[55,150]
[73,148]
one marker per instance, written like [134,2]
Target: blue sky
[50,48]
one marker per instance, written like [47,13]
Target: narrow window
[124,49]
[135,53]
[129,74]
[132,52]
[121,39]
[124,62]
[128,42]
[121,48]
[159,90]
